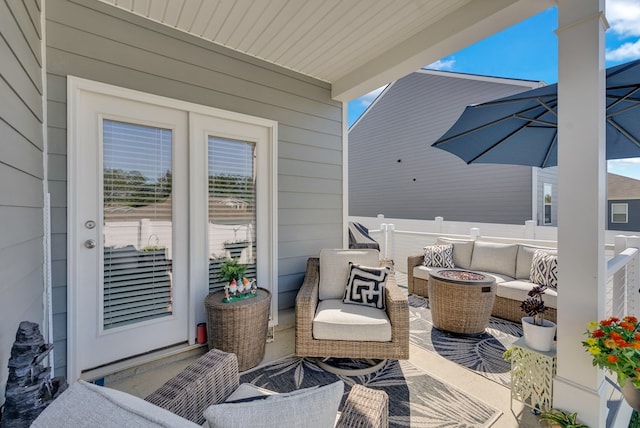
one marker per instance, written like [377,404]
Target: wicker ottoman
[461,301]
[239,327]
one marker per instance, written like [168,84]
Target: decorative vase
[538,337]
[631,395]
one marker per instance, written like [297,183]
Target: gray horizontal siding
[21,174]
[95,41]
[394,171]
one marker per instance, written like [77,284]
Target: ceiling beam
[475,21]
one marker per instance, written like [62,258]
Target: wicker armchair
[214,376]
[397,309]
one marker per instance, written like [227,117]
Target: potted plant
[232,269]
[538,332]
[614,345]
[560,418]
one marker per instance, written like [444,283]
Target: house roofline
[493,79]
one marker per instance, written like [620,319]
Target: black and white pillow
[544,269]
[439,256]
[366,285]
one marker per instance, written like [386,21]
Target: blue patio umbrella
[521,129]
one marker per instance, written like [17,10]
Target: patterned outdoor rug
[416,399]
[481,354]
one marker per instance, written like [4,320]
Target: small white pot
[538,337]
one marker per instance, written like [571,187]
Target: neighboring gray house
[623,203]
[393,170]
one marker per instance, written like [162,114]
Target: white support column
[439,226]
[530,229]
[578,386]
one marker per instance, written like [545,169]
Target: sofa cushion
[544,269]
[366,285]
[439,256]
[422,271]
[494,257]
[525,257]
[462,251]
[335,320]
[518,289]
[334,269]
[296,409]
[87,405]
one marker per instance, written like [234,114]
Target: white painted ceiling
[357,45]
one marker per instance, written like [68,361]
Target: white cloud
[624,17]
[442,64]
[367,99]
[626,51]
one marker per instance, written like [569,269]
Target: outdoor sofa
[509,264]
[201,390]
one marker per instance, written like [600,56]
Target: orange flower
[636,345]
[606,323]
[612,359]
[597,333]
[609,343]
[631,319]
[628,326]
[622,344]
[615,335]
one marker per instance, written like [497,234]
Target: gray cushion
[518,289]
[495,257]
[334,269]
[462,251]
[366,285]
[544,269]
[315,406]
[439,256]
[87,405]
[336,320]
[525,257]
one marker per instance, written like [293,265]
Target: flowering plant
[534,306]
[615,346]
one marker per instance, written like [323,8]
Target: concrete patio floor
[144,380]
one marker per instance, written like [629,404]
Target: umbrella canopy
[522,129]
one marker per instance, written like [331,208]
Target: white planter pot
[538,337]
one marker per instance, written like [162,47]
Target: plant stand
[532,376]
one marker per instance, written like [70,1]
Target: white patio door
[128,228]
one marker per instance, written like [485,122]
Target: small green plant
[232,269]
[557,417]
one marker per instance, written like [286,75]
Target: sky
[529,50]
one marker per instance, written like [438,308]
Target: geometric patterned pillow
[439,256]
[544,269]
[366,285]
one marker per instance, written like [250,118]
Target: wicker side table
[461,301]
[239,327]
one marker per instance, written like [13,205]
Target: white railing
[401,238]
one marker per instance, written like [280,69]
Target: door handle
[90,243]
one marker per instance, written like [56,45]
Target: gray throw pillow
[311,407]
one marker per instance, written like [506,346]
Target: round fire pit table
[460,300]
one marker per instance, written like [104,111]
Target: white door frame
[197,289]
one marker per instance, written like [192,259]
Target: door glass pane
[232,206]
[137,179]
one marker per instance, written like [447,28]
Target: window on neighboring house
[547,202]
[619,213]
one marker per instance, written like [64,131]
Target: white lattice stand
[532,376]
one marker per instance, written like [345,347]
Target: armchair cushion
[318,405]
[366,285]
[335,320]
[334,269]
[462,251]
